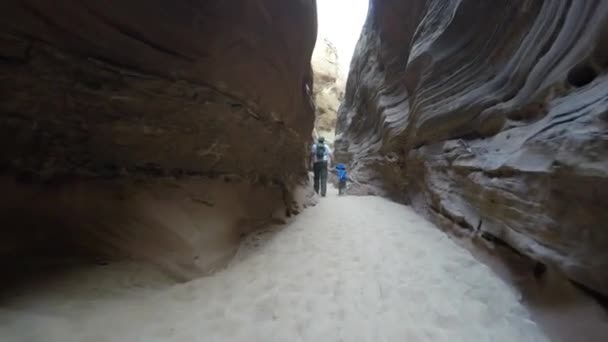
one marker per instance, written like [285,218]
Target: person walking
[320,159]
[342,178]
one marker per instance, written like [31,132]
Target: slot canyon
[157,186]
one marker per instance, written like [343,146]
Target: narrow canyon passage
[145,143]
[348,269]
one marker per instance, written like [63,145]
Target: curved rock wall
[113,100]
[488,116]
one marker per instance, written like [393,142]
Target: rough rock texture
[101,102]
[328,87]
[489,116]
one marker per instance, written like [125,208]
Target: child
[342,177]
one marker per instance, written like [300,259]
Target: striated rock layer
[110,109]
[489,116]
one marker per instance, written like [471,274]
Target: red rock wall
[489,116]
[118,96]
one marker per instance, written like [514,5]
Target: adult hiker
[320,158]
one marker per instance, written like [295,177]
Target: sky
[340,21]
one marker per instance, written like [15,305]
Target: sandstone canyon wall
[328,89]
[489,117]
[156,130]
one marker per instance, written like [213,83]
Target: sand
[349,269]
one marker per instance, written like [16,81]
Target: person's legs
[316,168]
[341,187]
[323,176]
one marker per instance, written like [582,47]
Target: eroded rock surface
[489,116]
[328,86]
[136,103]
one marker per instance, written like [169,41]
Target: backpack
[320,152]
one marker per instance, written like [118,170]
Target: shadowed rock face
[489,116]
[89,87]
[124,93]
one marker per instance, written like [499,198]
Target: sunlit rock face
[328,86]
[488,116]
[137,103]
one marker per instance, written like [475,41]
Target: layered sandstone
[488,116]
[151,129]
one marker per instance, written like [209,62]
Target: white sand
[349,269]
